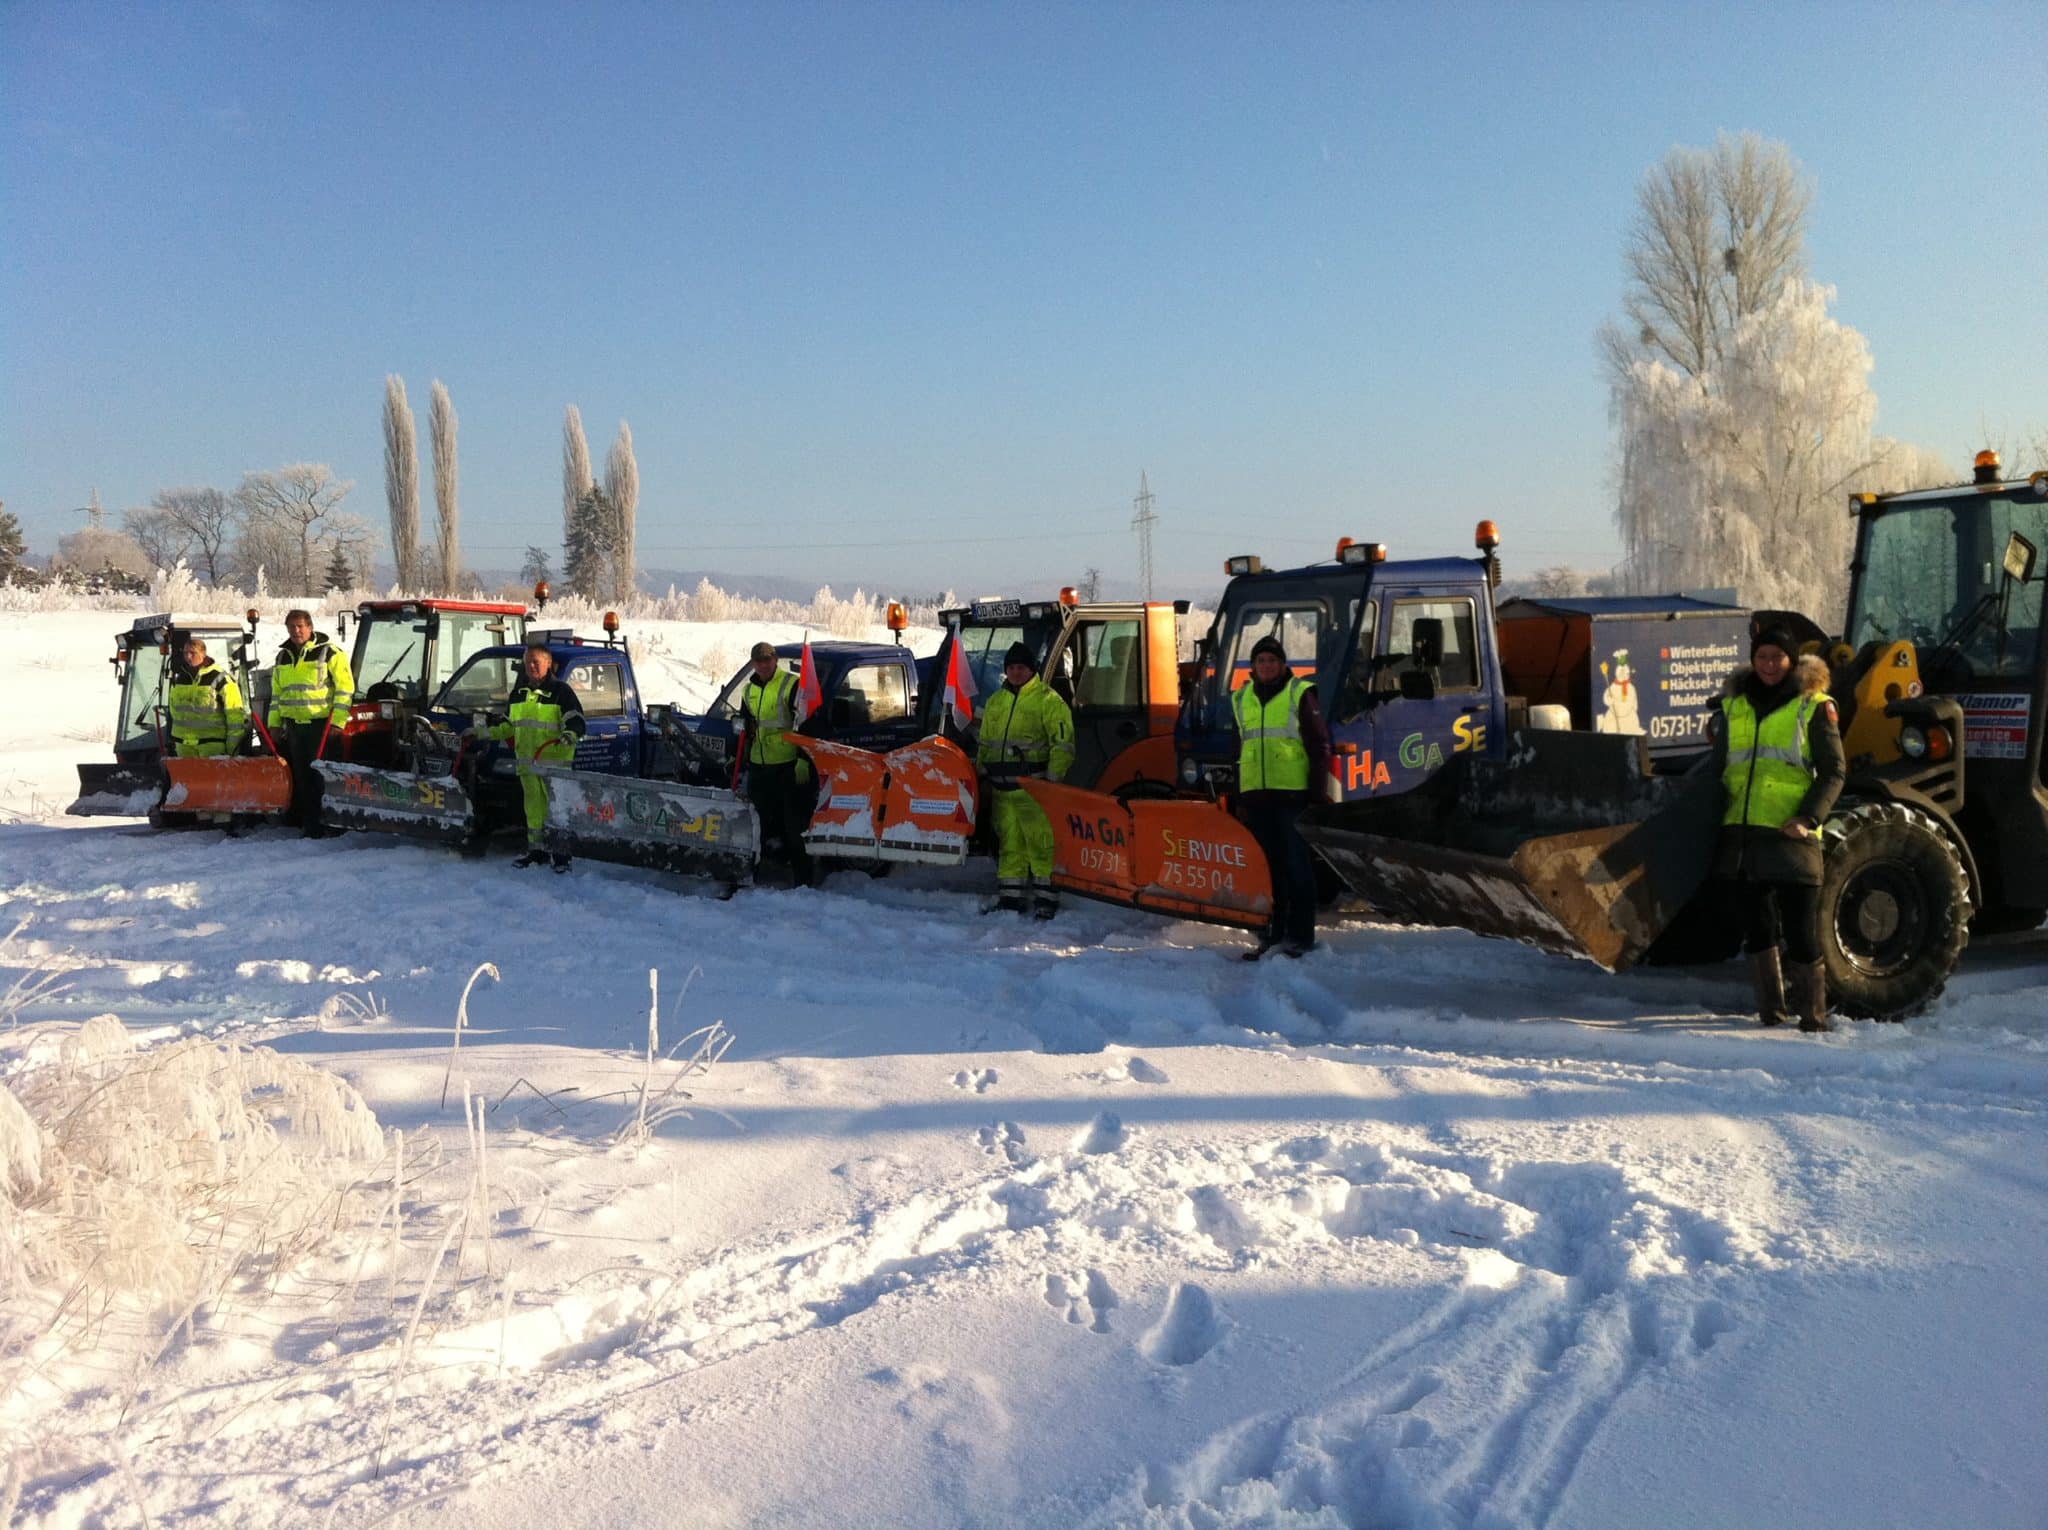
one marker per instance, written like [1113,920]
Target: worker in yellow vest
[543,721]
[776,773]
[1283,759]
[208,717]
[1026,731]
[310,692]
[1778,752]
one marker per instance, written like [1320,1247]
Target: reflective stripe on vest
[199,710]
[771,711]
[1016,741]
[1770,764]
[535,724]
[302,690]
[1271,756]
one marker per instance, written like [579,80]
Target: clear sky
[908,295]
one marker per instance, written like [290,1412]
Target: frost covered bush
[163,1176]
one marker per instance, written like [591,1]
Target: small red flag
[809,697]
[959,686]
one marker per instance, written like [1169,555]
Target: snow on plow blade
[116,791]
[1569,845]
[228,783]
[392,802]
[1182,857]
[697,830]
[915,803]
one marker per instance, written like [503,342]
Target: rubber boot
[1767,977]
[1809,990]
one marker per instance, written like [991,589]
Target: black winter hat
[1269,645]
[1020,653]
[1776,637]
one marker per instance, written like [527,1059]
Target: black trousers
[1273,818]
[299,742]
[781,800]
[1780,914]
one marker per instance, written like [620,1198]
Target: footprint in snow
[1082,1301]
[1006,1138]
[1188,1329]
[1105,1134]
[975,1080]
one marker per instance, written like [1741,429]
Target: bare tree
[441,432]
[1717,236]
[160,538]
[537,566]
[198,523]
[622,488]
[290,520]
[576,477]
[402,481]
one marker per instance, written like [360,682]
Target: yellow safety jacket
[769,710]
[311,683]
[1271,756]
[207,711]
[1028,732]
[1770,766]
[543,721]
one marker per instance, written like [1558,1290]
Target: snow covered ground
[982,1222]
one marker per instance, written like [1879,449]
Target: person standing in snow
[310,691]
[1026,731]
[543,721]
[1282,760]
[1778,752]
[777,774]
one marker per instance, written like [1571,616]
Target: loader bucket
[434,808]
[117,791]
[916,803]
[1565,845]
[253,783]
[697,830]
[1183,856]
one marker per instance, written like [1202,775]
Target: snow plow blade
[434,808]
[1184,857]
[666,825]
[249,783]
[915,803]
[1569,845]
[116,791]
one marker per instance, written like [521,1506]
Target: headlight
[1912,742]
[1190,772]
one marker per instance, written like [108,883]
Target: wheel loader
[1456,800]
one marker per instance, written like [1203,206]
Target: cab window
[733,697]
[1460,669]
[479,686]
[598,688]
[871,693]
[1299,627]
[464,633]
[1108,663]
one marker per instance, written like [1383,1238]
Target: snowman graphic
[1618,712]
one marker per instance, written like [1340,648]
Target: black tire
[1894,910]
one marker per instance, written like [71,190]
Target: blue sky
[908,295]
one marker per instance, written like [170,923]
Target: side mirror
[1428,642]
[1418,684]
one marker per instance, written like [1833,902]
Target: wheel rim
[1881,919]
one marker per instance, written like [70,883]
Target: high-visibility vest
[1770,765]
[207,713]
[536,723]
[311,683]
[1271,756]
[1028,732]
[770,708]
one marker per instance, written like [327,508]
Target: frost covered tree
[97,547]
[200,524]
[290,520]
[588,552]
[402,482]
[156,534]
[447,569]
[622,488]
[576,476]
[1718,235]
[340,574]
[13,548]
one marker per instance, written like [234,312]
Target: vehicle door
[871,704]
[1100,664]
[1415,734]
[611,714]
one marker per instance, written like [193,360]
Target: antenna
[1142,522]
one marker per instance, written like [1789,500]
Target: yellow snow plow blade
[254,783]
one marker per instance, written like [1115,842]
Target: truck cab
[404,652]
[871,697]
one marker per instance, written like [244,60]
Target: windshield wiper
[409,647]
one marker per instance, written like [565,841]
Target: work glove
[803,772]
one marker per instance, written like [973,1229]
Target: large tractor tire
[1894,910]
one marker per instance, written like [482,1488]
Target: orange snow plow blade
[916,803]
[254,783]
[1183,857]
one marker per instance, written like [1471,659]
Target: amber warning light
[899,618]
[1487,537]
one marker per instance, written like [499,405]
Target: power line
[1142,521]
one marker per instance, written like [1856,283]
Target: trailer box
[1643,664]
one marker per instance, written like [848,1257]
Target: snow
[980,1221]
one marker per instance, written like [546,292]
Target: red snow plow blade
[916,803]
[255,783]
[1183,857]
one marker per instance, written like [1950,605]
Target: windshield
[984,648]
[393,654]
[464,633]
[727,706]
[479,686]
[1934,573]
[139,697]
